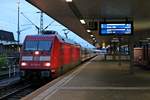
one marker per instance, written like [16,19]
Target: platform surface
[97,80]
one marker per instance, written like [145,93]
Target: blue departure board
[115,29]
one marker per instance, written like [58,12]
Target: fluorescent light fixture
[82,21]
[88,31]
[94,38]
[92,35]
[68,0]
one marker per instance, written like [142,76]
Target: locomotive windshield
[37,45]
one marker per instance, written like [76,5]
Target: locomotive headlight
[47,64]
[23,64]
[36,52]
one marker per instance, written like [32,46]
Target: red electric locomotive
[48,55]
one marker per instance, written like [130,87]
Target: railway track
[17,91]
[6,75]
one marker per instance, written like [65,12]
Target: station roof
[69,14]
[6,36]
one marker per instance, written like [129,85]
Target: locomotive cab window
[37,45]
[44,45]
[31,45]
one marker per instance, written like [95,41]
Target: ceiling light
[94,38]
[92,35]
[82,21]
[68,0]
[88,31]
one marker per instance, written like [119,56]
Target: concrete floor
[99,80]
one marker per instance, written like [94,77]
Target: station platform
[97,80]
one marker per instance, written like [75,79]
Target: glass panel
[31,45]
[44,45]
[115,29]
[37,45]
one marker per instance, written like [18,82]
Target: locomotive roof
[51,37]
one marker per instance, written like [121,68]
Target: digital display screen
[115,29]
